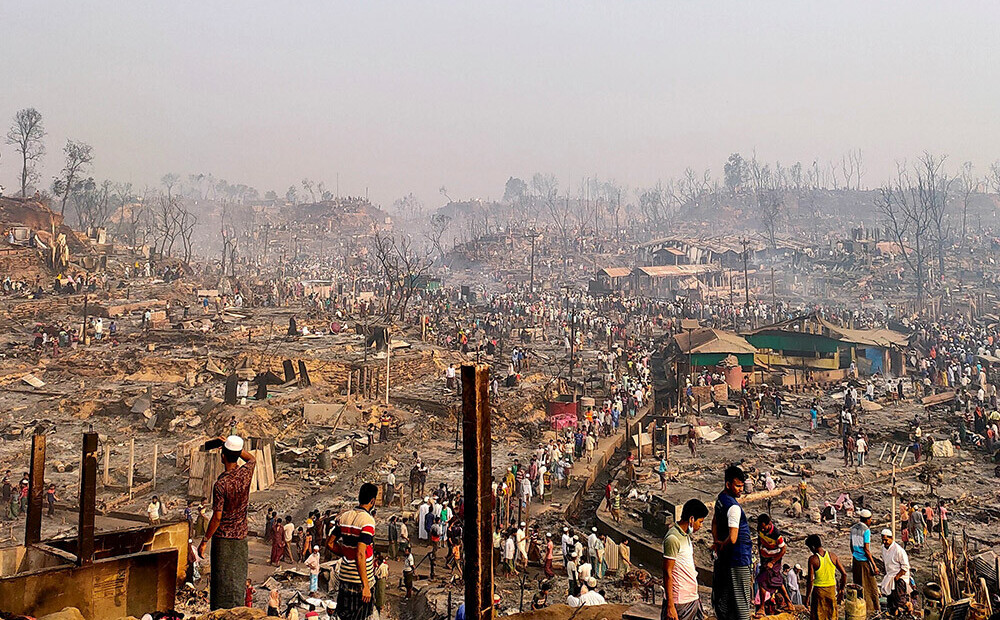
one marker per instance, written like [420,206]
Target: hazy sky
[410,96]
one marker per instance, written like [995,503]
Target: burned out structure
[810,348]
[126,572]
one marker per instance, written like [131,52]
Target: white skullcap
[234,443]
[887,532]
[592,582]
[865,513]
[315,547]
[522,523]
[593,529]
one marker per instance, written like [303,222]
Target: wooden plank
[268,464]
[36,489]
[477,459]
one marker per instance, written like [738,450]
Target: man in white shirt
[592,545]
[896,583]
[566,545]
[522,547]
[312,563]
[590,596]
[422,511]
[862,449]
[509,551]
[583,572]
[153,510]
[571,572]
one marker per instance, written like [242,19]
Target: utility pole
[746,275]
[83,333]
[774,301]
[533,237]
[477,465]
[388,348]
[731,297]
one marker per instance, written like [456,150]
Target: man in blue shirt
[732,580]
[863,567]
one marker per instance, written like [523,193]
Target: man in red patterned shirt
[228,527]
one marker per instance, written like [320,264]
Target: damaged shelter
[125,572]
[821,351]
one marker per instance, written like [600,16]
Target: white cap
[592,582]
[234,443]
[315,547]
[565,529]
[798,567]
[887,532]
[522,523]
[865,513]
[593,529]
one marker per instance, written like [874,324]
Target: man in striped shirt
[354,539]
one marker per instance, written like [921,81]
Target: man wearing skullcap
[228,527]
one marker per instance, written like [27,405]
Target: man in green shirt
[680,577]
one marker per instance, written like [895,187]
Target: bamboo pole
[131,465]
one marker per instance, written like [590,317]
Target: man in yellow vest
[823,589]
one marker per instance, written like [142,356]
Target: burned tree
[79,155]
[652,204]
[969,184]
[933,187]
[95,204]
[767,197]
[402,267]
[909,223]
[439,224]
[26,136]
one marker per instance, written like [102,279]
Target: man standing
[393,537]
[408,565]
[863,568]
[354,540]
[680,578]
[312,563]
[390,488]
[228,527]
[153,510]
[732,581]
[50,499]
[823,589]
[896,583]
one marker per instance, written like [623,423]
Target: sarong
[823,605]
[862,574]
[732,592]
[228,581]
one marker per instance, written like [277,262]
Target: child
[250,593]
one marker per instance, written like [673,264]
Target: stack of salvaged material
[115,308]
[207,466]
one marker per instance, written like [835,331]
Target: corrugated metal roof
[676,270]
[708,340]
[616,272]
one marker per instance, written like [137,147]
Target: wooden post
[478,464]
[36,489]
[894,501]
[131,465]
[388,350]
[156,453]
[107,464]
[350,375]
[667,438]
[88,500]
